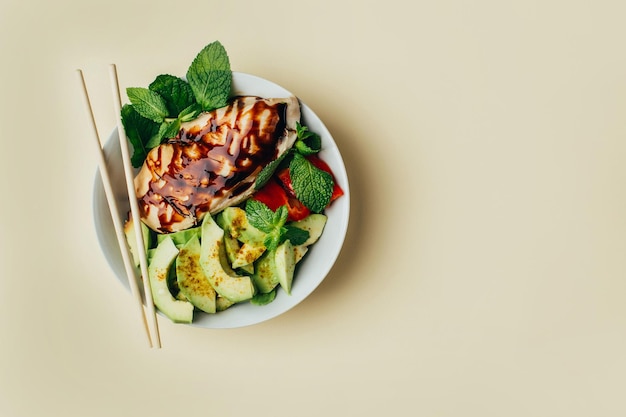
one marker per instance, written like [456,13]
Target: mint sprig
[210,77]
[142,133]
[308,142]
[176,93]
[148,103]
[272,223]
[169,129]
[189,113]
[268,170]
[313,187]
[156,113]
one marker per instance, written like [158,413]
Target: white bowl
[310,272]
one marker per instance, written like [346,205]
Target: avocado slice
[176,310]
[222,303]
[247,254]
[232,248]
[181,237]
[285,263]
[314,224]
[276,267]
[265,277]
[261,299]
[215,265]
[192,282]
[234,221]
[300,251]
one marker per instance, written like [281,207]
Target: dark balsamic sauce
[210,162]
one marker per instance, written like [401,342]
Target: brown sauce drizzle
[210,162]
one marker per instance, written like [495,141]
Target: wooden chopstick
[134,205]
[114,209]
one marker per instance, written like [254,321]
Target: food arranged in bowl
[237,182]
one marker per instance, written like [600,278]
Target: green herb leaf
[260,216]
[274,238]
[190,113]
[176,93]
[313,187]
[148,103]
[272,223]
[210,77]
[304,149]
[268,170]
[296,235]
[261,299]
[308,142]
[169,129]
[280,216]
[142,133]
[154,141]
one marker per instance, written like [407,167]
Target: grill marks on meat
[214,161]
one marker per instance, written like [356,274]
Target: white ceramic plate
[310,272]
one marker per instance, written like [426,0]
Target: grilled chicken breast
[214,161]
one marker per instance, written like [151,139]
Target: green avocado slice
[215,265]
[285,261]
[176,310]
[265,277]
[192,281]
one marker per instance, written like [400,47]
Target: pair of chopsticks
[148,317]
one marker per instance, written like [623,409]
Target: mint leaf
[210,77]
[190,113]
[304,149]
[313,187]
[148,103]
[272,223]
[308,142]
[296,235]
[142,133]
[280,216]
[268,170]
[169,130]
[260,216]
[274,239]
[176,93]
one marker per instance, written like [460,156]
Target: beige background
[484,270]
